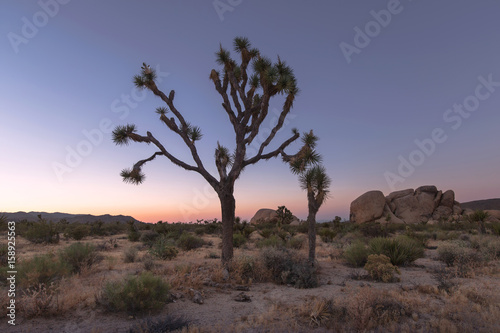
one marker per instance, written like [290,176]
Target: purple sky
[400,93]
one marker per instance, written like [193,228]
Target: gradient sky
[67,70]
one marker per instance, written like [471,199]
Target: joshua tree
[313,178]
[245,98]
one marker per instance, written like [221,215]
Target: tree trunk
[228,206]
[311,221]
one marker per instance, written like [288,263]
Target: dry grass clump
[136,294]
[362,310]
[380,268]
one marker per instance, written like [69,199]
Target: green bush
[238,240]
[42,269]
[137,294]
[77,231]
[303,228]
[149,237]
[288,267]
[189,242]
[402,250]
[4,251]
[327,235]
[42,232]
[80,256]
[460,257]
[272,241]
[380,268]
[495,227]
[356,254]
[130,255]
[164,248]
[295,243]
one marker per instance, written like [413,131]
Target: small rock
[414,316]
[225,275]
[197,298]
[242,297]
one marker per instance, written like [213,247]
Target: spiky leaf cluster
[133,176]
[121,134]
[146,77]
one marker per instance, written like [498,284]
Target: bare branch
[274,153]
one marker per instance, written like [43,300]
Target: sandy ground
[220,312]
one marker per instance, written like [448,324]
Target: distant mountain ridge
[71,218]
[488,204]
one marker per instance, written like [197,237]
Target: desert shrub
[327,235]
[77,231]
[266,232]
[460,257]
[4,251]
[246,269]
[136,294]
[166,324]
[39,301]
[164,248]
[295,243]
[41,232]
[43,269]
[356,254]
[130,254]
[134,235]
[149,237]
[303,228]
[488,246]
[495,227]
[272,241]
[189,242]
[401,250]
[288,267]
[148,263]
[80,256]
[238,240]
[380,268]
[372,230]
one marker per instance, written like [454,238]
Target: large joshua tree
[312,178]
[246,94]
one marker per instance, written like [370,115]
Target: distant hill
[482,204]
[71,218]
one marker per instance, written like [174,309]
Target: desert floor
[424,300]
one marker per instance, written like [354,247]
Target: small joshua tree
[246,94]
[313,179]
[285,216]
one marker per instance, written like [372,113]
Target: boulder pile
[425,204]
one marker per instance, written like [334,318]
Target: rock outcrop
[267,215]
[424,204]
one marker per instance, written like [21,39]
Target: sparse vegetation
[356,254]
[288,267]
[164,248]
[189,242]
[50,286]
[80,256]
[380,268]
[136,294]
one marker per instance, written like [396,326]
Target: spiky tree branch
[245,99]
